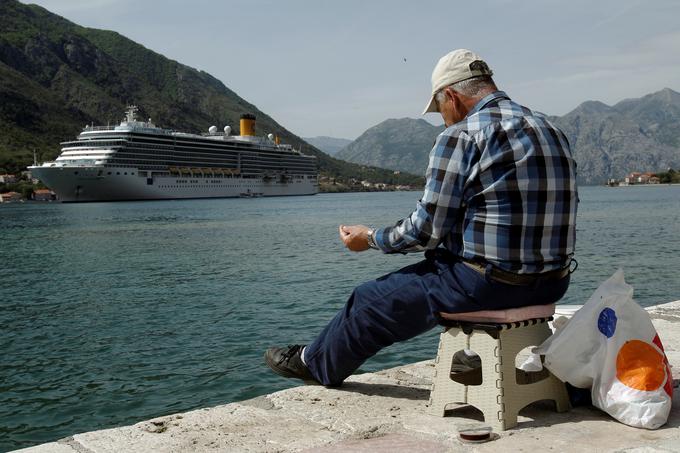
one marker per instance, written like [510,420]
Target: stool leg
[488,397]
[506,363]
[444,390]
[518,396]
[562,403]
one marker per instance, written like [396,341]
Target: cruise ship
[137,160]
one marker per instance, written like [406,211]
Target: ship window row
[256,171]
[168,147]
[89,143]
[154,139]
[222,149]
[205,161]
[260,152]
[194,162]
[213,145]
[85,151]
[243,170]
[169,153]
[225,146]
[240,175]
[215,185]
[168,157]
[95,142]
[297,177]
[265,165]
[215,152]
[95,148]
[194,145]
[148,167]
[132,173]
[214,176]
[124,173]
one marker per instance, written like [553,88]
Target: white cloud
[608,76]
[657,51]
[615,16]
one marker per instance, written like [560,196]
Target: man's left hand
[355,237]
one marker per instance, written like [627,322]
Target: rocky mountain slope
[56,76]
[398,144]
[640,134]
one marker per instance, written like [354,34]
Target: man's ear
[458,104]
[455,97]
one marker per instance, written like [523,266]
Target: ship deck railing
[99,128]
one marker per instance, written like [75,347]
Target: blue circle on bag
[607,322]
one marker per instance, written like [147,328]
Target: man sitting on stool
[496,219]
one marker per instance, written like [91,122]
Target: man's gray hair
[475,87]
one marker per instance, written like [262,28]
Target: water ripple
[113,313]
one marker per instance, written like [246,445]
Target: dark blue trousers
[403,304]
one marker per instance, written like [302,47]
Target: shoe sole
[468,377]
[463,368]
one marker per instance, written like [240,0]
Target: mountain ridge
[636,134]
[396,144]
[329,145]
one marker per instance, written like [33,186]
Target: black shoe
[462,362]
[466,369]
[287,362]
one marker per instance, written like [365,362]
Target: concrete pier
[376,412]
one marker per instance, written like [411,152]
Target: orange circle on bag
[640,366]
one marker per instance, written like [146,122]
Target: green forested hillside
[56,76]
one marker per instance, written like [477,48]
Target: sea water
[112,313]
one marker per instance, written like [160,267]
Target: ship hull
[86,184]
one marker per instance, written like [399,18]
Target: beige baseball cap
[456,66]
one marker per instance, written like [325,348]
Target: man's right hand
[355,237]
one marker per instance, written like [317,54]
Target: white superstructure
[137,160]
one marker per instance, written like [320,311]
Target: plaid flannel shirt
[500,188]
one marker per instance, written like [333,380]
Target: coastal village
[23,187]
[330,184]
[636,178]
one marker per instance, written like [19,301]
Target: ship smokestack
[247,124]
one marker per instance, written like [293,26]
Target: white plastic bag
[611,347]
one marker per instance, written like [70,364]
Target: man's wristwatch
[371,239]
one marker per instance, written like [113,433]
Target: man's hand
[355,237]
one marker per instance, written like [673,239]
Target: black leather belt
[510,278]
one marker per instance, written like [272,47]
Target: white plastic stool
[497,336]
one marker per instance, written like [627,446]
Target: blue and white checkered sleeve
[437,210]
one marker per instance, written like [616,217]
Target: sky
[338,68]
